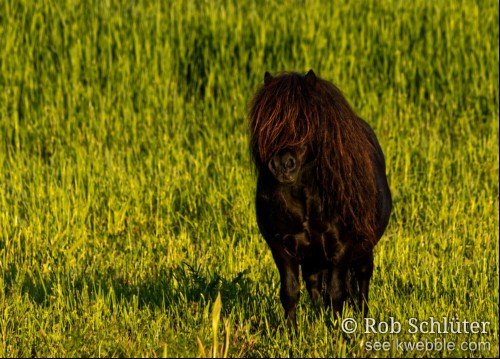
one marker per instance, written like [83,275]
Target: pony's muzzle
[283,167]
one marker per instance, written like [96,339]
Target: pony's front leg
[290,286]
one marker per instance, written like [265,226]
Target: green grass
[126,185]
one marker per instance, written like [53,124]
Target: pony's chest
[282,211]
[284,207]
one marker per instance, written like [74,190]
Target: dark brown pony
[322,200]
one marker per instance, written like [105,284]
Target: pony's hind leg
[314,285]
[336,288]
[363,270]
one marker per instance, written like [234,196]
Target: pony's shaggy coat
[289,112]
[322,201]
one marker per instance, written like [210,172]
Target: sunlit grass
[126,185]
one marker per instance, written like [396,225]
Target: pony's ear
[267,78]
[311,78]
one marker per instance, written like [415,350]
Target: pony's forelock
[280,117]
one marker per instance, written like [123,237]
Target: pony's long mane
[291,111]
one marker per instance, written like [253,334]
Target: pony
[322,197]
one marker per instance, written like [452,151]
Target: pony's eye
[290,163]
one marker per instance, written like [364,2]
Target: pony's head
[292,113]
[281,118]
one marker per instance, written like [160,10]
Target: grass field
[126,185]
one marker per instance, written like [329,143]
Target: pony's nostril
[289,163]
[274,165]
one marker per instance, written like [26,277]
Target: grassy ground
[126,186]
